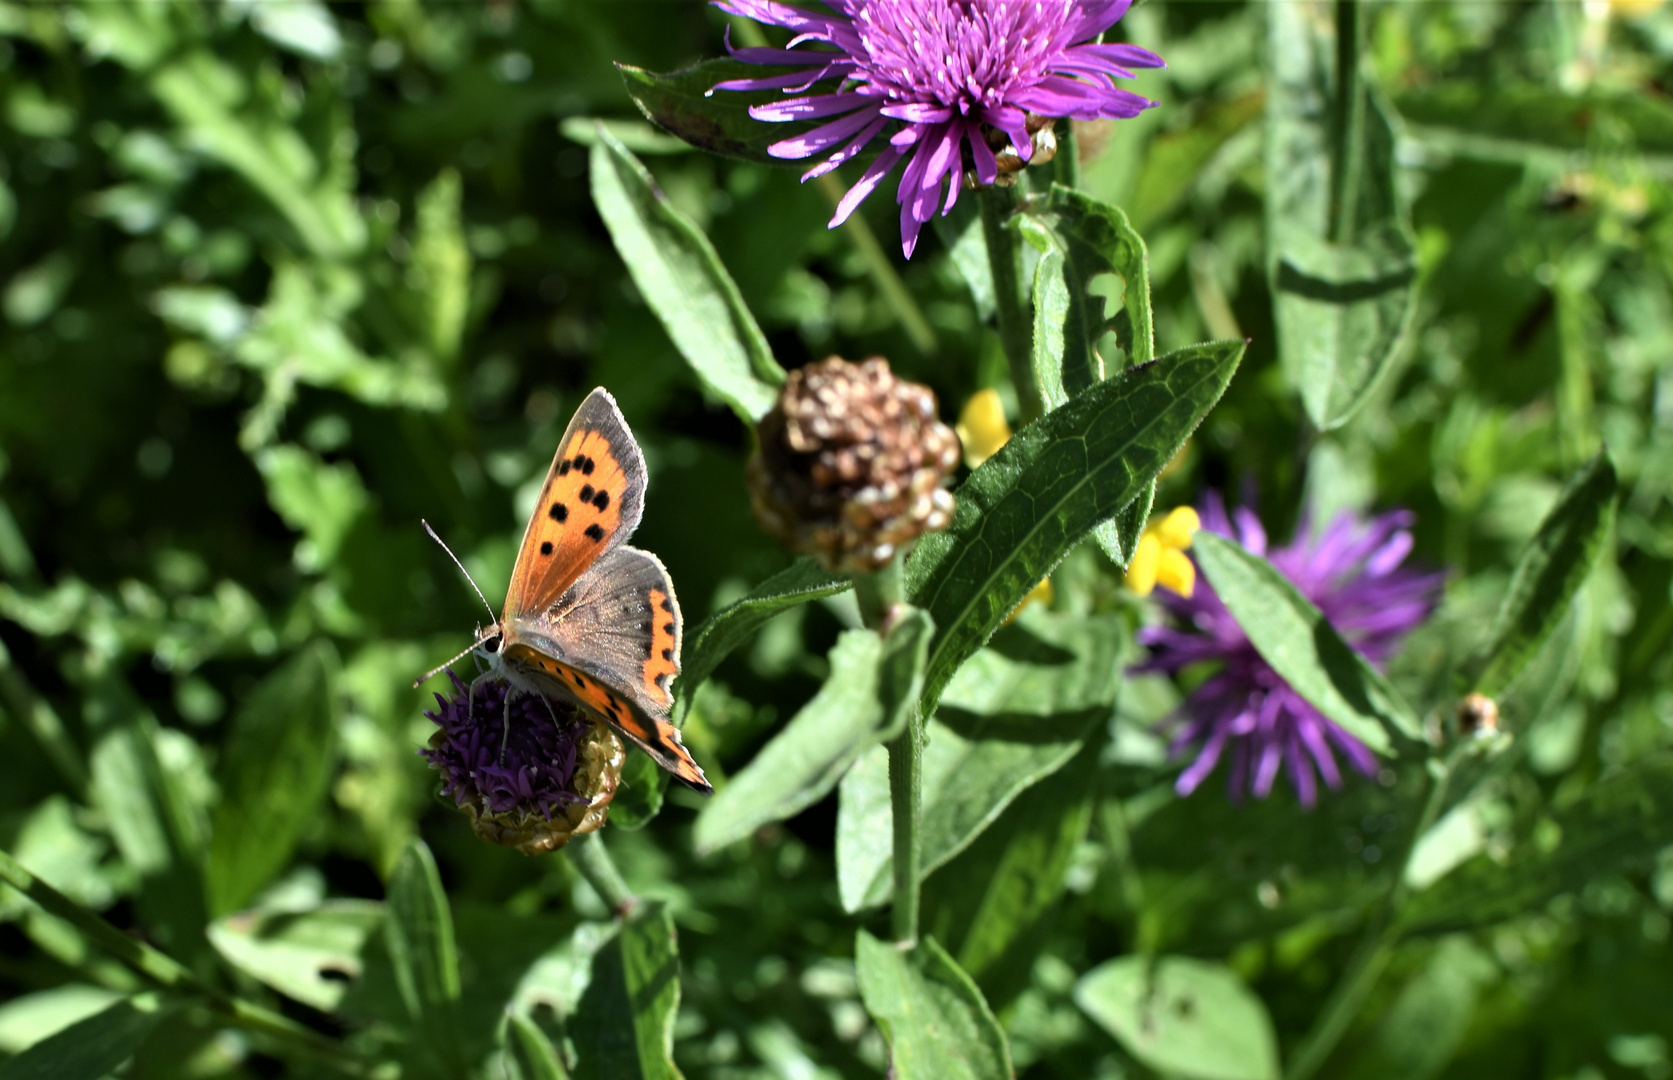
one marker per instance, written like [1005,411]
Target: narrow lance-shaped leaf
[931,1014]
[277,767]
[872,688]
[1343,261]
[1015,714]
[681,102]
[1295,638]
[709,644]
[89,1049]
[533,1052]
[683,281]
[624,1028]
[1182,1017]
[1047,488]
[418,932]
[1552,568]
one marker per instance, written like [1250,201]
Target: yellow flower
[1161,559]
[982,427]
[1039,594]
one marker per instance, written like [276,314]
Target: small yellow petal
[1634,9]
[1040,594]
[1176,529]
[982,427]
[1177,573]
[1147,560]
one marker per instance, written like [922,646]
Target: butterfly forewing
[592,500]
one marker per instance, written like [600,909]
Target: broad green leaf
[1552,568]
[1048,488]
[1427,1023]
[993,903]
[931,1014]
[27,1019]
[709,644]
[276,769]
[1509,120]
[1182,1017]
[624,1028]
[1620,821]
[1342,260]
[640,794]
[418,933]
[1301,645]
[870,693]
[1097,239]
[312,956]
[89,1049]
[1016,713]
[533,1052]
[683,281]
[681,102]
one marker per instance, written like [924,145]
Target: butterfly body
[587,618]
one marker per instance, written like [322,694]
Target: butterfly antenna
[491,616]
[433,672]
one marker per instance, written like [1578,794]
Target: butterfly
[587,618]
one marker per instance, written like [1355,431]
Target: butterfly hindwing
[623,617]
[651,733]
[592,500]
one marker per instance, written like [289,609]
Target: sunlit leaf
[624,1028]
[931,1014]
[418,933]
[312,956]
[92,1048]
[1182,1017]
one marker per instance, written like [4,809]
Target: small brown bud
[1478,714]
[1010,163]
[849,464]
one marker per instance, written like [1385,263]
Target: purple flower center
[967,54]
[535,770]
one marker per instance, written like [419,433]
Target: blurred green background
[280,279]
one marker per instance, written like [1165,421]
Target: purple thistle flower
[1352,571]
[942,69]
[537,771]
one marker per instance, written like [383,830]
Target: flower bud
[1478,715]
[549,781]
[849,463]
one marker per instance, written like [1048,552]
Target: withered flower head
[553,781]
[849,464]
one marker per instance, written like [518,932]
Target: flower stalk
[1010,307]
[592,861]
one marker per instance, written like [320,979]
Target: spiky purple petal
[537,769]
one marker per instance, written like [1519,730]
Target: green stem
[1066,165]
[166,972]
[1349,123]
[881,596]
[1005,265]
[1378,942]
[918,330]
[593,861]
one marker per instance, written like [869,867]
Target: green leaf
[89,1049]
[725,630]
[418,933]
[680,102]
[1506,120]
[1342,261]
[683,281]
[28,1018]
[1016,713]
[640,794]
[872,688]
[277,768]
[624,1028]
[1618,822]
[1301,645]
[311,956]
[931,1014]
[1097,240]
[1046,490]
[1552,568]
[1182,1017]
[533,1052]
[1427,1023]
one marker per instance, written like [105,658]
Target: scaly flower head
[943,70]
[551,780]
[1352,571]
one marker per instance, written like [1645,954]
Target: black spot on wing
[667,628]
[602,501]
[586,493]
[563,467]
[668,654]
[594,533]
[546,547]
[559,512]
[585,464]
[667,605]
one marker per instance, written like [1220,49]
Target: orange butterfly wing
[592,500]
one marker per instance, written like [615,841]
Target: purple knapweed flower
[1352,571]
[942,69]
[552,779]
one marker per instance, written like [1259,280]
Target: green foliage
[280,280]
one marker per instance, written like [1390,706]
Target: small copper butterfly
[587,618]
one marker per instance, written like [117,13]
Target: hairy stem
[170,974]
[1010,307]
[593,861]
